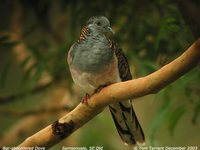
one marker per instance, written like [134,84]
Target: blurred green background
[36,87]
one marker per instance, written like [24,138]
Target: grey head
[99,24]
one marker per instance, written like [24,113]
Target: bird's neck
[87,33]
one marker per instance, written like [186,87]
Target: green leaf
[4,74]
[36,52]
[29,71]
[5,42]
[8,45]
[167,25]
[3,38]
[196,113]
[161,115]
[25,61]
[160,35]
[172,25]
[150,65]
[175,117]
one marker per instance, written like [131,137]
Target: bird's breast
[93,64]
[89,81]
[93,58]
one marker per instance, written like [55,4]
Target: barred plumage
[98,61]
[84,33]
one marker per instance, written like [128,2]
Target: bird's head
[99,24]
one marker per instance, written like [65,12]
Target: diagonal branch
[150,84]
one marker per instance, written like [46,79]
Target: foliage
[151,34]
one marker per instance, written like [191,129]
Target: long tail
[127,123]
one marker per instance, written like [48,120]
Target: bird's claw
[85,99]
[100,88]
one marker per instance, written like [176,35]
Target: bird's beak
[110,30]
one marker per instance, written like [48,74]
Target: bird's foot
[85,99]
[87,96]
[100,88]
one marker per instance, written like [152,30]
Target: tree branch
[150,84]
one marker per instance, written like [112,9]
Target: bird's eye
[98,23]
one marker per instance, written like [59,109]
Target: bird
[96,61]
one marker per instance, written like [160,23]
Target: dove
[95,61]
